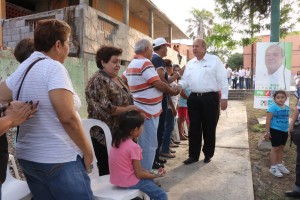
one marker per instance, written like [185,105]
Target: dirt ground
[266,186]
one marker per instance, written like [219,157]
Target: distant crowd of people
[239,78]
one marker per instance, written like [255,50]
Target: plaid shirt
[103,96]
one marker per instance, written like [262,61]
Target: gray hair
[141,45]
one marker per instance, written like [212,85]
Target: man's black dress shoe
[189,161]
[293,194]
[162,161]
[157,165]
[207,160]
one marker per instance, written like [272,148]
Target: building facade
[94,23]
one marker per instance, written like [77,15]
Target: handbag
[19,90]
[295,134]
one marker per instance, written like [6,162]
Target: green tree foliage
[200,24]
[218,36]
[221,42]
[235,60]
[253,16]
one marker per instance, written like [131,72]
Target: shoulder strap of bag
[19,90]
[26,72]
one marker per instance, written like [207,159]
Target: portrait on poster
[273,71]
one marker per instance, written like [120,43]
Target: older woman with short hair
[52,148]
[107,97]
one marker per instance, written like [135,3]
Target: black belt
[204,93]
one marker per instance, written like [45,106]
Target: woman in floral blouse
[107,97]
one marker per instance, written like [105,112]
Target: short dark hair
[48,31]
[24,49]
[279,92]
[168,62]
[158,47]
[105,53]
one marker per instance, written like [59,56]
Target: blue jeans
[151,189]
[58,180]
[248,83]
[168,131]
[148,142]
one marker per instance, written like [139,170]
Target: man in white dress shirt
[204,76]
[242,74]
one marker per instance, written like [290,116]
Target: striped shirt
[42,138]
[140,74]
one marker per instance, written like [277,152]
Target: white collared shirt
[206,75]
[248,74]
[229,72]
[242,72]
[279,80]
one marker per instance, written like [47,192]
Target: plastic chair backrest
[87,125]
[101,186]
[14,188]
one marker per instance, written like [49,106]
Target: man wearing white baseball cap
[159,42]
[160,47]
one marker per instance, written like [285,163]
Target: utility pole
[275,20]
[252,45]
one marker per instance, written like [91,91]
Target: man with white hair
[146,87]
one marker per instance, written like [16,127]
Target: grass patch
[257,128]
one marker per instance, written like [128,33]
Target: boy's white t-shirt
[42,138]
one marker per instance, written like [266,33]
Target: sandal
[183,138]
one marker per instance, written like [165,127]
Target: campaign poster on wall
[273,71]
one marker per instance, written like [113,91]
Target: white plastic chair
[101,186]
[12,188]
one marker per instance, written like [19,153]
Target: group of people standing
[139,107]
[240,78]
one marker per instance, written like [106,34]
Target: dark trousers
[298,167]
[234,83]
[102,157]
[241,82]
[3,158]
[204,114]
[161,125]
[248,83]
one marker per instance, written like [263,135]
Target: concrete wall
[90,30]
[115,10]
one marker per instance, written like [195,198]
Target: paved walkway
[227,177]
